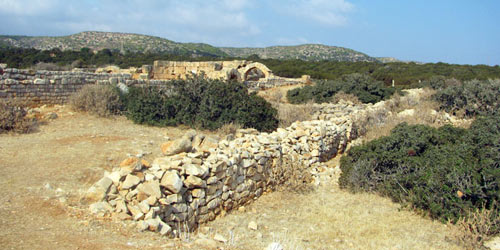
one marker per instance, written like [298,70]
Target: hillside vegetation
[133,43]
[451,173]
[306,52]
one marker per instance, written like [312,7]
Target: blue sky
[452,31]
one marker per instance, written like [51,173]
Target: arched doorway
[254,74]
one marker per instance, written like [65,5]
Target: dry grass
[100,100]
[13,117]
[278,94]
[290,113]
[228,129]
[473,231]
[415,107]
[331,218]
[341,95]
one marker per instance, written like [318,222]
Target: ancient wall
[199,178]
[55,87]
[50,87]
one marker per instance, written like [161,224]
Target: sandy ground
[45,173]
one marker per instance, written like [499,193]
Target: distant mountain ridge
[96,40]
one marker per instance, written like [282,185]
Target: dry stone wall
[198,178]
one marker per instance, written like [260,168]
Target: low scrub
[100,100]
[199,102]
[365,88]
[448,172]
[13,117]
[470,98]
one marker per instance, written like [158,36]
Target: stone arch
[256,67]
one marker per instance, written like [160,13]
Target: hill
[126,42]
[307,52]
[110,40]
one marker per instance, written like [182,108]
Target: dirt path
[45,173]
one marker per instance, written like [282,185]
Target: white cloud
[326,12]
[213,21]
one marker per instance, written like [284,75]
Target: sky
[451,31]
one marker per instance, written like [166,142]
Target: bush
[13,117]
[100,100]
[199,102]
[448,171]
[366,89]
[470,98]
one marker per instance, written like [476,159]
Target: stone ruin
[54,87]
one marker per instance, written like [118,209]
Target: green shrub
[446,171]
[366,89]
[100,100]
[470,98]
[151,106]
[13,117]
[199,102]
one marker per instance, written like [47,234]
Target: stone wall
[55,87]
[50,87]
[199,178]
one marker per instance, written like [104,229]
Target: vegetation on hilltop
[404,74]
[306,52]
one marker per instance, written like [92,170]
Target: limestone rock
[199,171]
[220,238]
[176,146]
[130,181]
[171,181]
[152,188]
[100,207]
[253,225]
[193,182]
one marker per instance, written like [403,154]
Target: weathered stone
[198,193]
[153,224]
[199,171]
[220,238]
[164,228]
[100,207]
[152,188]
[130,181]
[194,182]
[253,225]
[171,181]
[176,146]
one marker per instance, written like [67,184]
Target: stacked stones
[198,177]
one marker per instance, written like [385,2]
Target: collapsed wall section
[186,189]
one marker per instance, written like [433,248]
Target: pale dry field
[45,173]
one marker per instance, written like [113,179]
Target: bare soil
[45,174]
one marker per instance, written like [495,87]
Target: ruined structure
[54,87]
[238,70]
